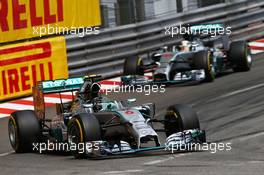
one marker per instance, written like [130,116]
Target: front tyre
[203,60]
[83,128]
[23,130]
[179,118]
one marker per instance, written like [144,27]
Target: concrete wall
[164,7]
[152,8]
[149,9]
[111,16]
[189,5]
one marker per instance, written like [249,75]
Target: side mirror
[151,108]
[131,100]
[156,57]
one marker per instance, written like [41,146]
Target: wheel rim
[140,66]
[211,68]
[12,133]
[139,62]
[175,124]
[74,135]
[209,65]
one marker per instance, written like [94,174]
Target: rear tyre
[23,130]
[180,117]
[203,60]
[133,66]
[239,55]
[83,128]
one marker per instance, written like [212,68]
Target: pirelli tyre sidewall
[23,129]
[83,128]
[239,56]
[203,60]
[133,66]
[180,117]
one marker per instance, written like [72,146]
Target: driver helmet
[185,46]
[90,91]
[95,90]
[84,92]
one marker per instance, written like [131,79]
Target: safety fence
[104,53]
[23,64]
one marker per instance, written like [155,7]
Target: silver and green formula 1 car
[109,127]
[193,60]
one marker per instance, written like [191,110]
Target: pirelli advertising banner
[22,65]
[22,19]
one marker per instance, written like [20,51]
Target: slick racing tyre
[239,55]
[179,118]
[133,66]
[83,128]
[23,130]
[203,60]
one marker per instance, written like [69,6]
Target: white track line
[49,99]
[16,106]
[256,51]
[258,44]
[6,154]
[251,136]
[28,99]
[159,161]
[55,100]
[164,160]
[237,92]
[123,172]
[4,115]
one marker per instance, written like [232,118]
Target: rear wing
[49,87]
[58,86]
[212,30]
[219,35]
[208,27]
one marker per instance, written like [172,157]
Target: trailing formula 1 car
[193,60]
[110,127]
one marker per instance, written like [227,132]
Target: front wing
[194,75]
[176,142]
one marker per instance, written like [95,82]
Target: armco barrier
[106,52]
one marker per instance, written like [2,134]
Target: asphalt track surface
[231,110]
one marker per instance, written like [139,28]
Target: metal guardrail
[105,53]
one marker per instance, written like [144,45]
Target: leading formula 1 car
[112,127]
[192,60]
